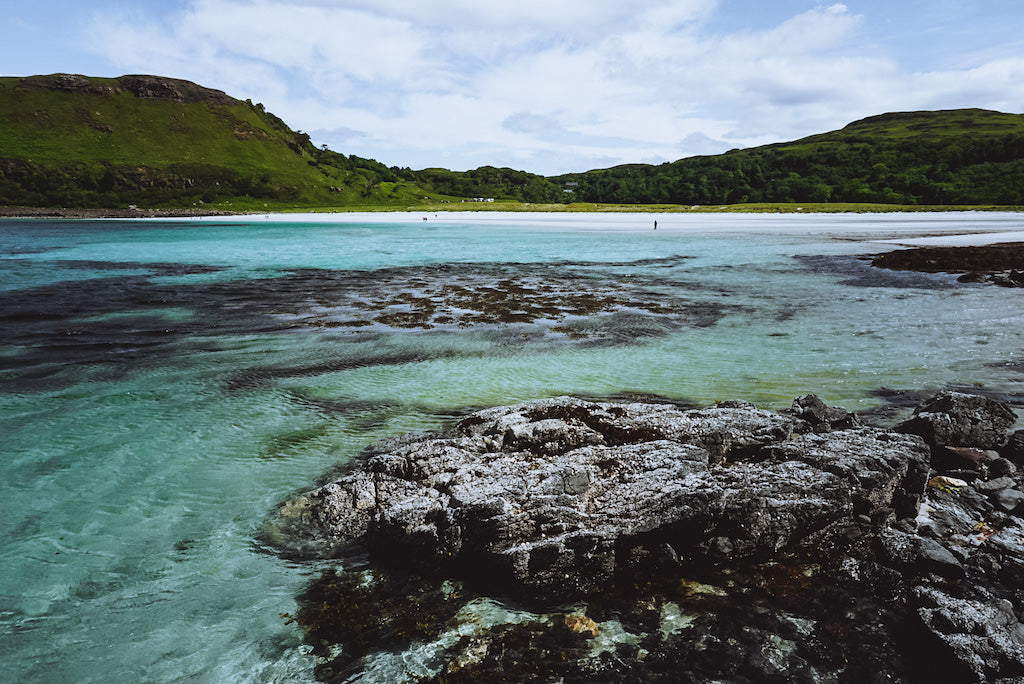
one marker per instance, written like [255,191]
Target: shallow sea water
[163,384]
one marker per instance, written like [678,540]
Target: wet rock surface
[651,542]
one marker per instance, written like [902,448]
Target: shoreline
[497,207]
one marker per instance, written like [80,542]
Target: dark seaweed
[54,325]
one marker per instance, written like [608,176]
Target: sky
[547,86]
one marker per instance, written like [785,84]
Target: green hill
[964,156]
[75,141]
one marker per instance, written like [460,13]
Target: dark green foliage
[491,182]
[950,157]
[88,186]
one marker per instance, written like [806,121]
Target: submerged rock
[725,543]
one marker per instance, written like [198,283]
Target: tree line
[912,171]
[839,167]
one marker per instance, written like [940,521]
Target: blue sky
[548,86]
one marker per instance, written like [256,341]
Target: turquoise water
[163,384]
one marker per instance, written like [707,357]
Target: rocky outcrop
[176,89]
[144,86]
[565,499]
[557,498]
[987,639]
[68,83]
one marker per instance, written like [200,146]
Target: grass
[75,138]
[121,129]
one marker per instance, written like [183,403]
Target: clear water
[152,413]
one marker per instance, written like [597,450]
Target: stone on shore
[955,419]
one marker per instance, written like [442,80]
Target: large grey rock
[1006,547]
[885,472]
[986,639]
[963,420]
[557,498]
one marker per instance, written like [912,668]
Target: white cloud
[555,86]
[363,46]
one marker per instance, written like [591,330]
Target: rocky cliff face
[914,534]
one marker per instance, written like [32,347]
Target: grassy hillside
[68,140]
[968,156]
[76,141]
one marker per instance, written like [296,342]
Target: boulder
[820,416]
[961,420]
[917,556]
[1006,547]
[1009,499]
[946,458]
[559,498]
[986,640]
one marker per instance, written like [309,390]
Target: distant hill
[962,156]
[76,141]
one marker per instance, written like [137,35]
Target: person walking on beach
[655,225]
